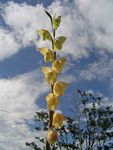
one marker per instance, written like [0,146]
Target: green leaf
[59,42]
[45,34]
[56,22]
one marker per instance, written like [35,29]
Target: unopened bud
[52,136]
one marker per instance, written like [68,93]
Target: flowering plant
[57,88]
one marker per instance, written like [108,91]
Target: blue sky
[88,26]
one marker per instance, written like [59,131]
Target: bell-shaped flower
[49,56]
[50,75]
[58,65]
[45,34]
[47,53]
[52,101]
[52,136]
[46,70]
[59,88]
[58,119]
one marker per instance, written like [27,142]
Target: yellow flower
[45,70]
[59,88]
[47,53]
[49,56]
[58,119]
[58,65]
[45,34]
[50,75]
[43,50]
[52,101]
[52,136]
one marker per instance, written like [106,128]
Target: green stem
[47,145]
[80,146]
[51,112]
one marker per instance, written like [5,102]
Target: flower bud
[59,88]
[52,136]
[58,119]
[52,101]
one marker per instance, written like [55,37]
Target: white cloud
[73,27]
[98,70]
[86,24]
[20,94]
[67,77]
[22,20]
[19,101]
[8,44]
[14,136]
[98,15]
[18,98]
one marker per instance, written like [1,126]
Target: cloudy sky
[88,26]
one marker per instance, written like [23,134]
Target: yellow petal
[59,88]
[52,136]
[58,119]
[52,101]
[59,42]
[43,50]
[58,65]
[45,34]
[51,77]
[49,56]
[45,70]
[64,84]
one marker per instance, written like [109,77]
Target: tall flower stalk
[57,88]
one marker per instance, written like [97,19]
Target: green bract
[45,34]
[56,22]
[59,42]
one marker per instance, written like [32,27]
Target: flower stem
[51,112]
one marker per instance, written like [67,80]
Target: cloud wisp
[98,70]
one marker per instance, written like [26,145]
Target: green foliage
[45,34]
[91,130]
[56,22]
[58,43]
